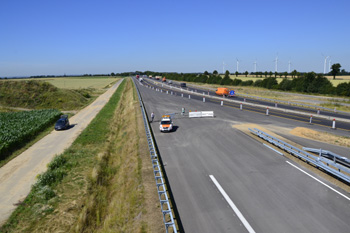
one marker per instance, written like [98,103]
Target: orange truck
[222,91]
[164,79]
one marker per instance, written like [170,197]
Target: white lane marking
[319,181]
[273,149]
[233,206]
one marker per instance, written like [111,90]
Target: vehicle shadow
[175,128]
[71,126]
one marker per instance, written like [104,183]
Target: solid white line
[273,149]
[233,206]
[320,181]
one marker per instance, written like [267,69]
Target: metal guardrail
[330,155]
[162,192]
[330,166]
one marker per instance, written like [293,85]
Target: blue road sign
[232,92]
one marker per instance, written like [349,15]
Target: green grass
[41,95]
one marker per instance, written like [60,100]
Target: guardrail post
[275,105]
[335,109]
[318,111]
[189,96]
[167,91]
[240,106]
[161,90]
[244,100]
[310,119]
[203,99]
[222,102]
[203,93]
[333,125]
[267,111]
[182,94]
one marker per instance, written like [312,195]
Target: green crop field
[96,82]
[17,128]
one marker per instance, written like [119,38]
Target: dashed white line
[233,206]
[319,181]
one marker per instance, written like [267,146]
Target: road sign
[232,93]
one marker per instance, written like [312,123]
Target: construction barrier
[201,114]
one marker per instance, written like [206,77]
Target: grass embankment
[103,183]
[39,95]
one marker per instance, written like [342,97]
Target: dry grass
[116,202]
[321,136]
[78,82]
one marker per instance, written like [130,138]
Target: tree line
[305,83]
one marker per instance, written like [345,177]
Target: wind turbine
[223,67]
[289,63]
[254,66]
[330,63]
[237,64]
[276,63]
[325,64]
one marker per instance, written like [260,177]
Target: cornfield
[17,128]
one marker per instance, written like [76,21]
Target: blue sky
[78,37]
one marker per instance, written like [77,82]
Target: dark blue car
[62,123]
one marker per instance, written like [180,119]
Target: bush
[51,177]
[57,162]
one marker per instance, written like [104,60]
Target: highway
[198,94]
[223,180]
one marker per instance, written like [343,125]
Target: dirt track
[17,176]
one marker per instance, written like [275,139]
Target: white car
[166,124]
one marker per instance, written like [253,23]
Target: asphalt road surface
[18,175]
[325,118]
[225,181]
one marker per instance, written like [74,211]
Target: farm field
[17,128]
[97,82]
[336,82]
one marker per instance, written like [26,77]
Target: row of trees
[305,83]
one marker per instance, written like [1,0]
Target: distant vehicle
[164,79]
[62,123]
[223,91]
[166,124]
[158,77]
[182,84]
[141,79]
[170,82]
[137,76]
[150,76]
